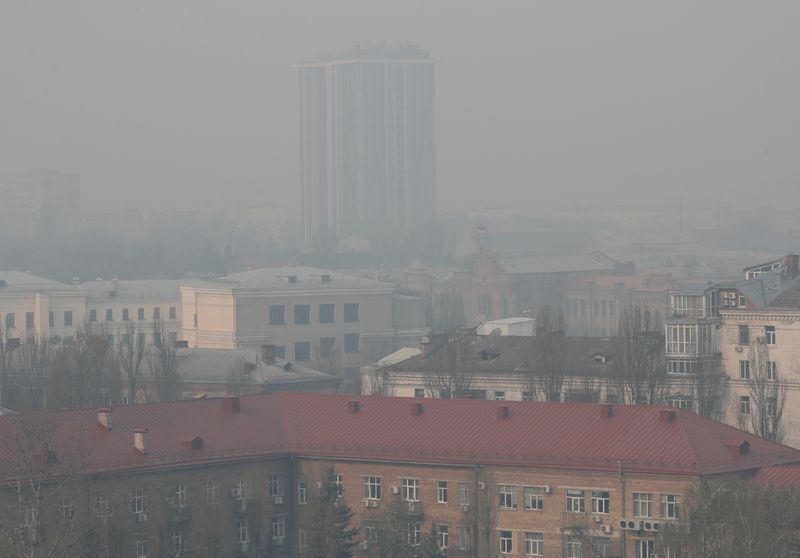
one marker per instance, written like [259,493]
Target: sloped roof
[789,298]
[134,289]
[18,281]
[453,431]
[275,278]
[778,476]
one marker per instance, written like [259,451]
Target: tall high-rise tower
[367,145]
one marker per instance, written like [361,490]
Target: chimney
[606,411]
[268,354]
[503,411]
[425,347]
[231,405]
[739,447]
[417,409]
[665,415]
[192,442]
[791,265]
[140,439]
[353,407]
[104,417]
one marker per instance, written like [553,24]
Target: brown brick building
[239,476]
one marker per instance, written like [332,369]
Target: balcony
[574,522]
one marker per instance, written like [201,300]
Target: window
[302,539]
[211,492]
[31,516]
[463,538]
[326,313]
[769,334]
[527,396]
[275,487]
[370,533]
[140,314]
[277,529]
[574,548]
[670,506]
[772,406]
[419,392]
[280,351]
[499,396]
[680,401]
[241,492]
[178,500]
[302,313]
[463,494]
[125,315]
[642,504]
[29,320]
[534,543]
[744,404]
[506,542]
[172,337]
[11,320]
[327,346]
[242,536]
[441,492]
[302,351]
[410,488]
[485,305]
[302,492]
[442,535]
[138,502]
[507,497]
[178,540]
[644,548]
[142,548]
[173,313]
[340,484]
[51,319]
[601,502]
[576,502]
[744,369]
[102,506]
[744,335]
[372,488]
[109,315]
[772,370]
[156,313]
[140,339]
[412,530]
[277,314]
[351,312]
[92,315]
[67,339]
[67,509]
[351,342]
[533,498]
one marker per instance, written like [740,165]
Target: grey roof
[764,289]
[27,282]
[277,278]
[788,298]
[134,289]
[508,355]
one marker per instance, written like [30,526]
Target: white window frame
[410,490]
[507,496]
[770,335]
[463,494]
[534,499]
[373,488]
[601,501]
[211,492]
[142,548]
[277,528]
[506,542]
[242,532]
[441,492]
[275,485]
[302,493]
[575,501]
[442,535]
[534,543]
[642,504]
[138,502]
[670,506]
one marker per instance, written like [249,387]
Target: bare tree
[545,364]
[33,361]
[163,364]
[82,371]
[450,375]
[767,396]
[131,354]
[639,359]
[482,515]
[239,378]
[6,355]
[377,381]
[709,385]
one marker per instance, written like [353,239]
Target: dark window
[173,313]
[744,369]
[769,331]
[125,315]
[280,351]
[744,335]
[51,319]
[277,314]
[302,313]
[351,342]
[326,313]
[326,345]
[140,314]
[11,320]
[109,315]
[351,312]
[68,318]
[29,319]
[302,351]
[156,313]
[419,392]
[93,315]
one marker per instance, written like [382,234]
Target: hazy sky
[188,102]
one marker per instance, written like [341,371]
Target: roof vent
[104,417]
[606,411]
[192,442]
[140,439]
[503,411]
[353,407]
[231,405]
[666,415]
[417,409]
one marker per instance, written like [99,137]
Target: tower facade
[367,144]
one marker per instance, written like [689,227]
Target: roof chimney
[140,439]
[231,405]
[192,442]
[417,408]
[606,411]
[104,417]
[503,411]
[268,354]
[666,415]
[353,407]
[791,266]
[740,447]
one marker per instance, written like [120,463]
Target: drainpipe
[623,534]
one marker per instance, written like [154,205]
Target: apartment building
[566,480]
[310,315]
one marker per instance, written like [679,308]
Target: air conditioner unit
[373,503]
[739,348]
[141,517]
[630,524]
[365,503]
[606,529]
[363,545]
[652,526]
[761,340]
[481,485]
[464,507]
[278,500]
[597,519]
[647,526]
[547,489]
[395,490]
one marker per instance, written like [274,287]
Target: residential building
[252,466]
[310,315]
[524,327]
[39,202]
[367,144]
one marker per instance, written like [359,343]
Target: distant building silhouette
[367,149]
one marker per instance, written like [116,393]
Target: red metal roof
[777,476]
[557,435]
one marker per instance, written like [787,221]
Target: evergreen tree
[333,534]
